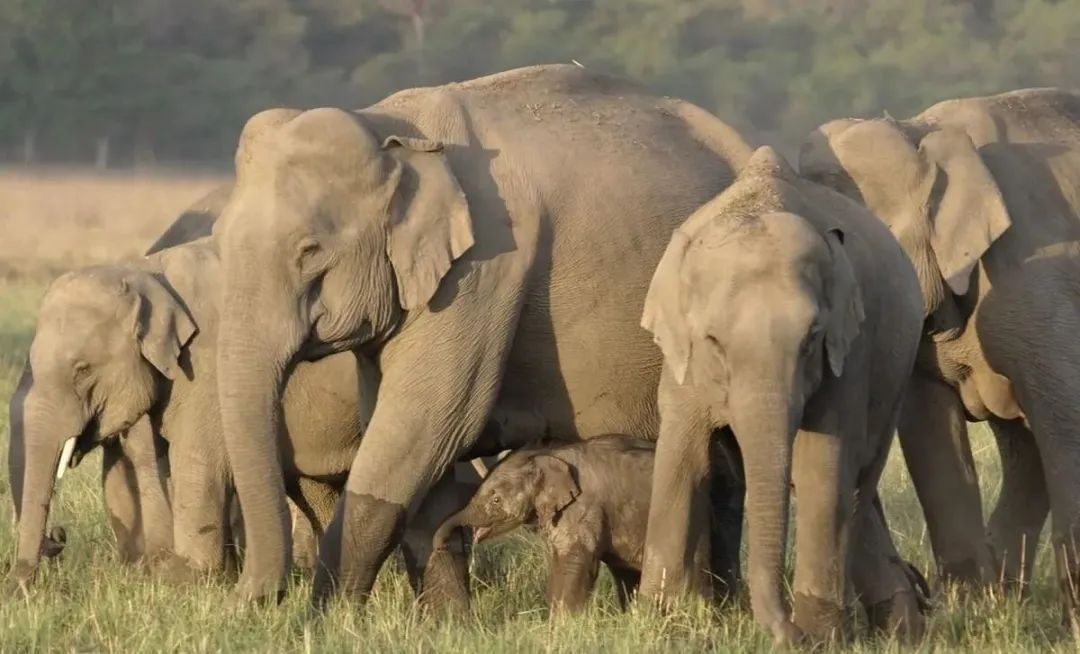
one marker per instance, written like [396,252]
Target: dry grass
[52,220]
[87,602]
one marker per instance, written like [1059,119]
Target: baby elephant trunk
[463,518]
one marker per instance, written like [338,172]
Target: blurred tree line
[134,81]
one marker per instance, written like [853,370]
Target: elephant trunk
[17,439]
[463,518]
[764,424]
[48,441]
[250,377]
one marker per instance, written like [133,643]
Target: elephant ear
[162,324]
[845,304]
[663,314]
[558,488]
[968,212]
[431,226]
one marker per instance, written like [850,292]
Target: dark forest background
[122,82]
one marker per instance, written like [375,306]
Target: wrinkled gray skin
[984,196]
[488,244]
[124,355]
[789,315]
[590,501]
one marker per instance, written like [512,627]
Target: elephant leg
[440,578]
[121,496]
[626,584]
[727,494]
[933,436]
[135,495]
[677,546]
[1054,417]
[887,588]
[574,567]
[825,497]
[312,509]
[1022,507]
[200,507]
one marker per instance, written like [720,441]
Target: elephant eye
[495,499]
[79,370]
[307,250]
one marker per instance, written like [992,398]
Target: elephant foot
[902,615]
[820,620]
[444,590]
[964,573]
[786,635]
[259,591]
[18,582]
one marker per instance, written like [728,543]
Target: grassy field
[86,602]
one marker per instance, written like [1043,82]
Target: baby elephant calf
[590,500]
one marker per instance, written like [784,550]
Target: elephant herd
[550,255]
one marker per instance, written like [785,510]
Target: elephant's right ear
[431,225]
[162,324]
[558,488]
[968,211]
[663,315]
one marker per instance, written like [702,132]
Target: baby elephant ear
[558,488]
[162,324]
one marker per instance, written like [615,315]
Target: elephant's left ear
[162,324]
[558,488]
[663,314]
[431,226]
[845,304]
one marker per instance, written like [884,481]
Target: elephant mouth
[488,532]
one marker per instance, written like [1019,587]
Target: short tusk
[65,457]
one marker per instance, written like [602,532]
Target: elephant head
[526,487]
[754,308]
[330,237]
[928,184]
[106,339]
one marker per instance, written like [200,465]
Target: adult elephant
[978,190]
[488,243]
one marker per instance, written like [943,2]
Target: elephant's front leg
[440,577]
[1022,506]
[200,507]
[892,592]
[440,381]
[934,439]
[677,539]
[824,486]
[574,567]
[134,491]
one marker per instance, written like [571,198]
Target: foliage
[179,79]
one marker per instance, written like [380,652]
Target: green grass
[88,602]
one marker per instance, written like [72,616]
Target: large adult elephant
[979,191]
[488,243]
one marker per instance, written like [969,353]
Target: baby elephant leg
[892,591]
[573,574]
[626,584]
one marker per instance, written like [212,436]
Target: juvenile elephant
[983,195]
[590,501]
[789,317]
[488,243]
[127,353]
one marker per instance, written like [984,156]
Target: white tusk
[65,457]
